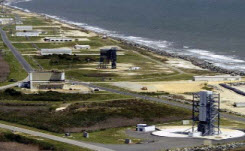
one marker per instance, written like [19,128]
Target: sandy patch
[179,63]
[170,87]
[76,33]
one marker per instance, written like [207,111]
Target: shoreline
[195,61]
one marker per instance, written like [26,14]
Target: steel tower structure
[206,113]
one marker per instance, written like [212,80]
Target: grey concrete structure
[46,80]
[56,52]
[217,78]
[24,28]
[28,34]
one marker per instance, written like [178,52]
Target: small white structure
[28,34]
[134,68]
[58,39]
[145,128]
[45,52]
[24,28]
[217,78]
[6,20]
[239,104]
[82,47]
[186,122]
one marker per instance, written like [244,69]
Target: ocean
[213,30]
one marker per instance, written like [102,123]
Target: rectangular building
[82,47]
[27,34]
[24,28]
[217,78]
[47,80]
[58,39]
[4,21]
[56,52]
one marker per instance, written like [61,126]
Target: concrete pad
[183,132]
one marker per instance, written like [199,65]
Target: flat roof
[218,76]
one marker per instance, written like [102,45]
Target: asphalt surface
[55,138]
[16,53]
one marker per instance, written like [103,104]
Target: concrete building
[145,128]
[56,52]
[24,28]
[28,34]
[4,21]
[47,80]
[58,39]
[217,78]
[82,47]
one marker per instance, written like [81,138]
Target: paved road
[17,55]
[55,138]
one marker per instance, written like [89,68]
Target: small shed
[56,52]
[145,128]
[134,68]
[82,47]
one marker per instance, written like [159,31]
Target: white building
[58,39]
[145,128]
[47,80]
[56,52]
[134,68]
[4,21]
[28,34]
[82,47]
[24,28]
[217,78]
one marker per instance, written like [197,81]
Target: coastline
[204,64]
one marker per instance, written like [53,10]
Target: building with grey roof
[58,51]
[28,34]
[217,78]
[58,39]
[24,28]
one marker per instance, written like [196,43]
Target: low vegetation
[92,115]
[12,94]
[5,70]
